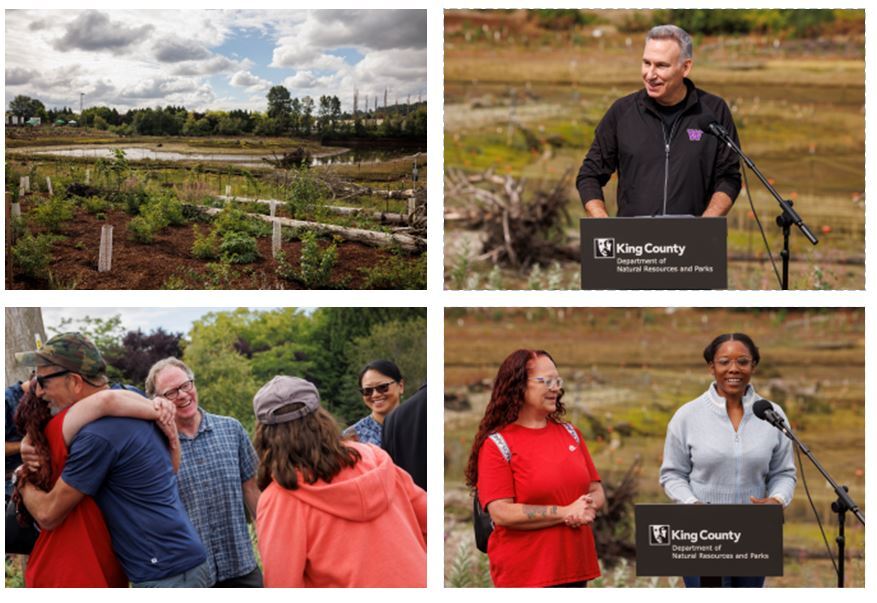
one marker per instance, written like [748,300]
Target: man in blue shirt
[217,476]
[124,465]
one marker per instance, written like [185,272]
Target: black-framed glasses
[383,388]
[41,379]
[173,394]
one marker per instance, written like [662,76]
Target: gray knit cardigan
[705,460]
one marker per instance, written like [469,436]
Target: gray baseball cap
[282,391]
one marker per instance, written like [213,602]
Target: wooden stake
[87,176]
[272,207]
[105,255]
[24,185]
[49,186]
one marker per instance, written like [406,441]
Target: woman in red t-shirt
[537,480]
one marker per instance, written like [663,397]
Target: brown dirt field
[141,266]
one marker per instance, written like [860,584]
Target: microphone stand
[843,503]
[788,216]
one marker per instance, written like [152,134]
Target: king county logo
[659,534]
[604,248]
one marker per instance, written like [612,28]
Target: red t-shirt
[547,467]
[79,552]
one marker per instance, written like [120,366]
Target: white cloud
[129,58]
[93,30]
[245,79]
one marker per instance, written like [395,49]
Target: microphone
[708,122]
[764,411]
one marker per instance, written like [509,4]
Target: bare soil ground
[150,266]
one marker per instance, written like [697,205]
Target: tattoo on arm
[537,511]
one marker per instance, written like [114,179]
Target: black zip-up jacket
[661,170]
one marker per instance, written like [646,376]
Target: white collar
[719,403]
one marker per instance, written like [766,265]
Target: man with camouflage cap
[124,465]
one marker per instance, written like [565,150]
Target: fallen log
[359,235]
[382,216]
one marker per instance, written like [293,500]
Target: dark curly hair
[31,418]
[709,353]
[506,402]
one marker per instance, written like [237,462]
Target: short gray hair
[159,366]
[672,32]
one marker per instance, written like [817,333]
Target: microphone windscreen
[761,408]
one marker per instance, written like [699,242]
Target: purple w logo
[694,134]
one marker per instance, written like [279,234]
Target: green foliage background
[234,353]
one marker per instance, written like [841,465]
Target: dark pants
[579,584]
[251,580]
[723,581]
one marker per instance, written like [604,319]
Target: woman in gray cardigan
[717,451]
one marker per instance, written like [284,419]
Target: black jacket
[655,178]
[404,436]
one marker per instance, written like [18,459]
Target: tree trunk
[366,237]
[382,217]
[22,325]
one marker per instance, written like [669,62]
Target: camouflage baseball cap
[72,351]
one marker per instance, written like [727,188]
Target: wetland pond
[329,156]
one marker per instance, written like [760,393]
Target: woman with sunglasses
[535,477]
[717,451]
[381,385]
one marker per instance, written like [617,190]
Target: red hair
[506,402]
[31,418]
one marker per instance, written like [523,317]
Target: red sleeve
[494,474]
[589,462]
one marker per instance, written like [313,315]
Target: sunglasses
[383,388]
[42,379]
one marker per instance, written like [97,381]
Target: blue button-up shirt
[214,465]
[367,430]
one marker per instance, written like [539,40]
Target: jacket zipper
[667,155]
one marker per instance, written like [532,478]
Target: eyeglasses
[549,382]
[383,388]
[743,362]
[173,394]
[41,379]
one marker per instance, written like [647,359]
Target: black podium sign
[709,540]
[668,252]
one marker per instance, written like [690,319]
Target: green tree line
[234,353]
[284,116]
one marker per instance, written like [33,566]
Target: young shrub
[95,205]
[170,209]
[316,263]
[205,247]
[142,229]
[232,219]
[33,254]
[238,248]
[53,213]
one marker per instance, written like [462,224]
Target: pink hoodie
[367,528]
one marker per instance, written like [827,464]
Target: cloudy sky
[213,59]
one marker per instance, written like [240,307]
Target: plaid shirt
[367,430]
[214,465]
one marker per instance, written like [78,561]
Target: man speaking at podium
[658,140]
